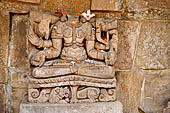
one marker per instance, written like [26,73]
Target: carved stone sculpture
[167,109]
[74,59]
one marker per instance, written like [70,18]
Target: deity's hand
[32,37]
[110,58]
[43,28]
[38,59]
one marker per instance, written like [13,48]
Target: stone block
[127,36]
[66,5]
[153,51]
[154,4]
[16,99]
[156,91]
[2,98]
[18,52]
[149,9]
[18,78]
[4,41]
[128,90]
[109,107]
[106,5]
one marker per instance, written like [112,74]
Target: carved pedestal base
[71,94]
[100,107]
[71,89]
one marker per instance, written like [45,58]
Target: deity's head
[73,19]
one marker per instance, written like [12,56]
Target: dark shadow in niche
[18,43]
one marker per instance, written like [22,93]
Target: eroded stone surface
[4,34]
[107,5]
[2,98]
[149,9]
[167,109]
[19,56]
[16,99]
[153,51]
[155,4]
[67,5]
[75,70]
[18,64]
[30,1]
[156,91]
[143,9]
[128,32]
[128,88]
[18,77]
[109,107]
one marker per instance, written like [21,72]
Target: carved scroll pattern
[71,95]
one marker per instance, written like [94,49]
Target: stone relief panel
[73,58]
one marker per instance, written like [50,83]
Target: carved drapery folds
[73,58]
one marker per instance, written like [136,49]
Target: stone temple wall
[143,63]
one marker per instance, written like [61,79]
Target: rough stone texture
[4,39]
[25,1]
[127,35]
[149,9]
[2,98]
[75,70]
[18,65]
[156,91]
[106,5]
[155,4]
[128,88]
[17,97]
[19,57]
[110,107]
[136,10]
[30,1]
[17,7]
[19,78]
[167,109]
[66,5]
[153,50]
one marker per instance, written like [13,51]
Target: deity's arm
[56,36]
[55,50]
[90,44]
[38,42]
[52,47]
[92,52]
[109,56]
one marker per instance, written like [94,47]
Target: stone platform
[102,107]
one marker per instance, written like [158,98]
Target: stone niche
[72,60]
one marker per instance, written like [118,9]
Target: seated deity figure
[77,56]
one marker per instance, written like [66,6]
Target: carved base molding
[100,107]
[71,94]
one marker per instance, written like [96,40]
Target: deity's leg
[97,71]
[53,71]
